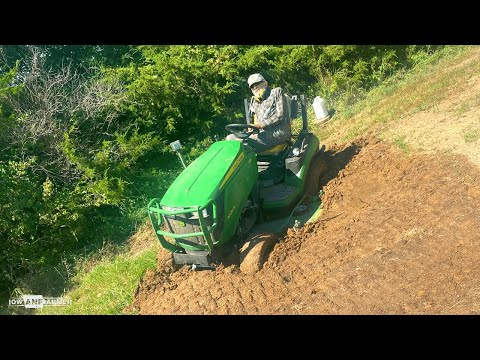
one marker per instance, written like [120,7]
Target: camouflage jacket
[271,113]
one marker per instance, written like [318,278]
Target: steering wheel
[240,130]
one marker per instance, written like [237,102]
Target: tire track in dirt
[415,274]
[441,214]
[398,235]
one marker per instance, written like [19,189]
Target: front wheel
[255,251]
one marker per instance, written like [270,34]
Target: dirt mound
[398,235]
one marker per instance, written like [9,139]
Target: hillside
[399,230]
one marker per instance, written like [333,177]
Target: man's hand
[257,126]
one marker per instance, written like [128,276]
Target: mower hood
[205,176]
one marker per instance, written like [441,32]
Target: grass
[401,95]
[400,142]
[108,288]
[471,136]
[463,108]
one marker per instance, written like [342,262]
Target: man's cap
[255,78]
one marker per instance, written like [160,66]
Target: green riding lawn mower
[213,207]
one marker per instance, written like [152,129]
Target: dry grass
[451,122]
[434,109]
[423,90]
[142,240]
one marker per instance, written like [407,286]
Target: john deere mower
[221,195]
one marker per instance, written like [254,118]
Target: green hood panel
[201,180]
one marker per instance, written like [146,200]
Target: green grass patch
[463,108]
[108,288]
[471,136]
[401,144]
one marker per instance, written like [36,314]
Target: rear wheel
[255,251]
[318,167]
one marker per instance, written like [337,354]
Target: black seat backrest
[246,103]
[293,107]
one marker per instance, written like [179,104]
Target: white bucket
[320,109]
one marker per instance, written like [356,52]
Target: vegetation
[108,288]
[85,134]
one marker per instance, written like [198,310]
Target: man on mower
[269,111]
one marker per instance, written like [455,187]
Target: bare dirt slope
[399,233]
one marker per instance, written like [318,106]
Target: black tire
[318,167]
[255,251]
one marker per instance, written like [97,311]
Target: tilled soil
[399,234]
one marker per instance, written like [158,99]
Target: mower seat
[274,150]
[271,164]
